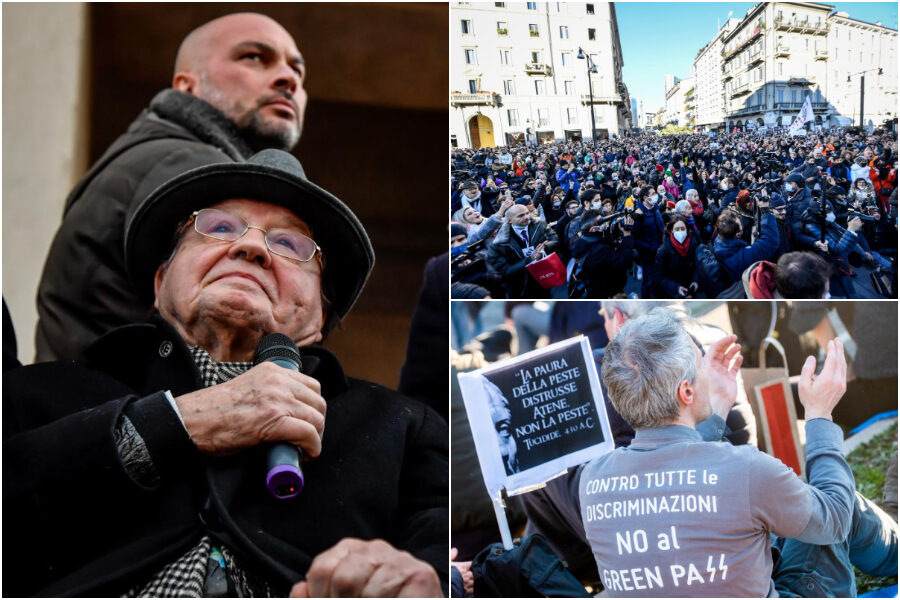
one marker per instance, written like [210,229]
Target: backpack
[529,570]
[711,275]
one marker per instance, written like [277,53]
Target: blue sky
[663,37]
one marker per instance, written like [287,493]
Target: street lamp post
[591,68]
[862,92]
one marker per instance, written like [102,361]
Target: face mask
[458,249]
[596,204]
[723,185]
[653,199]
[829,217]
[680,236]
[789,188]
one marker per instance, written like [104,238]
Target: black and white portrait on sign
[535,415]
[501,416]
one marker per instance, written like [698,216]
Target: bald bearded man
[237,88]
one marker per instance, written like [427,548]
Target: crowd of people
[742,214]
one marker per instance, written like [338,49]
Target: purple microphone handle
[284,478]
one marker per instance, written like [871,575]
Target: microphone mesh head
[276,345]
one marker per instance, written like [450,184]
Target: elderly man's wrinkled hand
[819,394]
[721,363]
[268,403]
[356,568]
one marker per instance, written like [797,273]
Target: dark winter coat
[505,255]
[84,290]
[672,269]
[78,524]
[736,255]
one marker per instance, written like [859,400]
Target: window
[539,87]
[807,43]
[500,4]
[818,94]
[566,59]
[532,6]
[793,95]
[590,9]
[536,56]
[860,56]
[569,87]
[473,87]
[780,70]
[780,94]
[872,58]
[504,57]
[759,98]
[533,30]
[466,26]
[592,33]
[780,15]
[502,29]
[543,117]
[572,116]
[759,74]
[563,32]
[509,87]
[470,57]
[513,115]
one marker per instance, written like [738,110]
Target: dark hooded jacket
[84,290]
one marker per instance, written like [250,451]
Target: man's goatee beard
[260,134]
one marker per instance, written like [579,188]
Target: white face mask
[829,217]
[680,235]
[596,204]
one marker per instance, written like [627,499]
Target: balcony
[748,110]
[537,68]
[740,90]
[727,75]
[756,58]
[801,79]
[782,51]
[821,55]
[791,106]
[801,26]
[477,99]
[502,32]
[598,99]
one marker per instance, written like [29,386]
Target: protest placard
[535,415]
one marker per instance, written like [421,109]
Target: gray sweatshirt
[672,515]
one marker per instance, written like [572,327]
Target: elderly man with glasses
[140,468]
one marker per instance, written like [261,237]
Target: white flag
[805,115]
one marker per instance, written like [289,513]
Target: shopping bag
[549,271]
[770,394]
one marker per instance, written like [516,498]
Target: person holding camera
[605,248]
[733,252]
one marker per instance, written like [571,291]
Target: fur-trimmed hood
[202,119]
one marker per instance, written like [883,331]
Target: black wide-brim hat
[270,176]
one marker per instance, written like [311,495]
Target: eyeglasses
[224,226]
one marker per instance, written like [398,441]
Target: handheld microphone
[284,477]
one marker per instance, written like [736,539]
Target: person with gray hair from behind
[671,515]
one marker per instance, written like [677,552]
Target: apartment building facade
[782,52]
[709,93]
[864,55]
[516,75]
